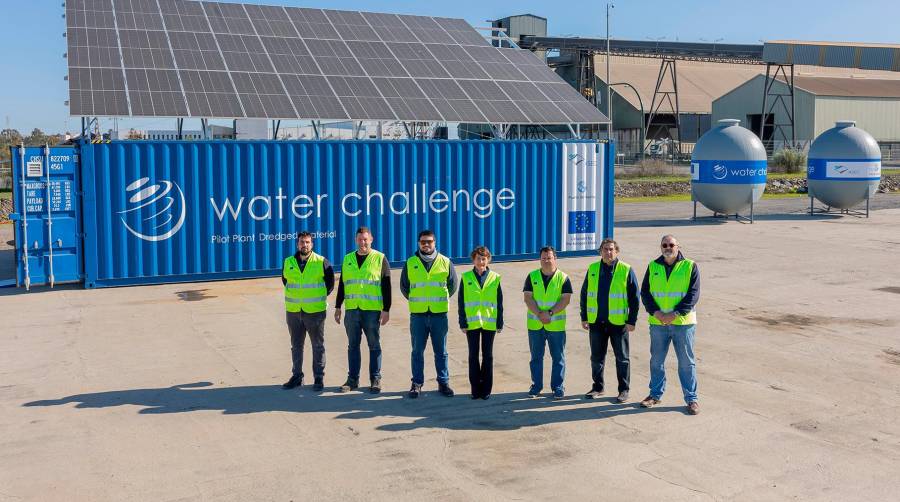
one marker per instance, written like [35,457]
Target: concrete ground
[172,392]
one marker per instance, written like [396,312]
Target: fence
[5,175]
[665,156]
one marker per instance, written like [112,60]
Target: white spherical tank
[844,166]
[728,168]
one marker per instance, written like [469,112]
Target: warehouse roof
[850,87]
[698,85]
[521,15]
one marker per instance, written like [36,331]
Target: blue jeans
[357,322]
[556,340]
[421,326]
[682,338]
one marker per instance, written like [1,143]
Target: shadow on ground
[508,411]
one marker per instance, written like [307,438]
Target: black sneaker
[318,385]
[444,388]
[415,390]
[534,392]
[350,384]
[375,388]
[295,381]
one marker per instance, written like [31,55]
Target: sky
[33,90]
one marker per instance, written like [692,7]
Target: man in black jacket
[304,313]
[609,310]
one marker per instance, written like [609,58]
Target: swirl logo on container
[719,172]
[159,209]
[576,158]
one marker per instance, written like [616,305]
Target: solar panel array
[186,58]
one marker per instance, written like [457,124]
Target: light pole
[609,132]
[714,42]
[641,103]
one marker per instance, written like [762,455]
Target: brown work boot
[693,408]
[649,402]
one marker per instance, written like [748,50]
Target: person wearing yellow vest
[670,292]
[365,290]
[428,280]
[308,279]
[609,310]
[547,292]
[480,309]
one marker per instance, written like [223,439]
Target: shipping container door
[47,223]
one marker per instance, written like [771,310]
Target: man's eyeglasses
[666,245]
[423,241]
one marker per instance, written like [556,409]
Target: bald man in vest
[670,292]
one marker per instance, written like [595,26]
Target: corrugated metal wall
[833,55]
[878,116]
[178,211]
[747,98]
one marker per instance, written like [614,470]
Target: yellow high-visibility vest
[617,302]
[362,283]
[546,298]
[481,301]
[667,292]
[305,290]
[428,288]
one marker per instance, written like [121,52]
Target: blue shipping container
[189,211]
[47,217]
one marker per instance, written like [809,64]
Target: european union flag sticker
[582,222]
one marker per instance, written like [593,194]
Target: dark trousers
[299,324]
[356,323]
[601,335]
[481,375]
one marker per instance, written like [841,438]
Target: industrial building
[709,91]
[819,101]
[662,92]
[634,82]
[515,27]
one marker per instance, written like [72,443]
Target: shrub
[788,160]
[648,168]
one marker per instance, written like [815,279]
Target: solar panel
[188,58]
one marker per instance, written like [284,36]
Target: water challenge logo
[719,172]
[159,209]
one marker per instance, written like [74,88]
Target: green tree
[8,137]
[37,138]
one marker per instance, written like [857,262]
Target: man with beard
[308,279]
[428,281]
[670,292]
